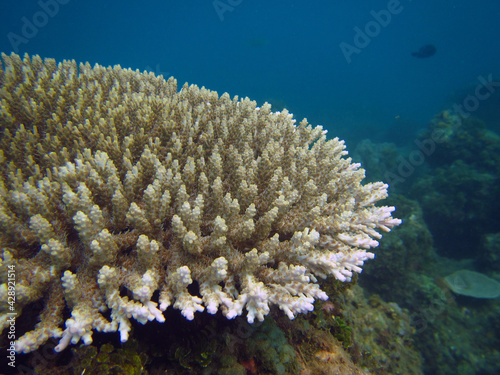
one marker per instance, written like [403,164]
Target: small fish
[426,51]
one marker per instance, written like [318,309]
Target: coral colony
[113,180]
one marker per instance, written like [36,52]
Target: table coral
[121,196]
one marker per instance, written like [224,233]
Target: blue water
[284,52]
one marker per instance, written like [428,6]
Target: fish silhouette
[426,51]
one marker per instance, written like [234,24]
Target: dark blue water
[284,52]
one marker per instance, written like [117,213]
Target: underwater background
[427,124]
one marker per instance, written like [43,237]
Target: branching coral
[114,185]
